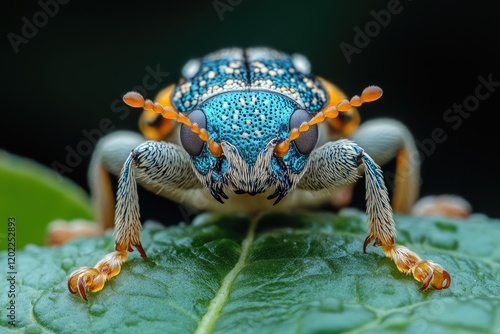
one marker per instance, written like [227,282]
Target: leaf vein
[208,320]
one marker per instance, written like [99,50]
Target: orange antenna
[136,100]
[369,94]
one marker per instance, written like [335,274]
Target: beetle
[253,130]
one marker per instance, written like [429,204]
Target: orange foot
[92,279]
[429,272]
[407,261]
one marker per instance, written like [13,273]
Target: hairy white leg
[158,165]
[108,157]
[385,139]
[336,164]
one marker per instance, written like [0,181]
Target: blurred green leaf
[303,273]
[36,195]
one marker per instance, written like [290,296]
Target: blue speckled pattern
[252,69]
[248,120]
[248,97]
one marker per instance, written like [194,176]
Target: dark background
[69,74]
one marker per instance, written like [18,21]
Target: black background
[69,74]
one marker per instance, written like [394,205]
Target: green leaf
[35,196]
[287,273]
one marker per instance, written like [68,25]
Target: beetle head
[248,126]
[250,142]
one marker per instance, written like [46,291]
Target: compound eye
[306,142]
[190,140]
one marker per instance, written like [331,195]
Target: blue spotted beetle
[258,132]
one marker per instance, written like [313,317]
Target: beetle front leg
[385,139]
[107,160]
[127,234]
[159,166]
[336,164]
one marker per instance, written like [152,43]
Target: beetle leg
[385,139]
[107,159]
[445,205]
[159,166]
[336,164]
[426,271]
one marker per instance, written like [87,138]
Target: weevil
[253,130]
